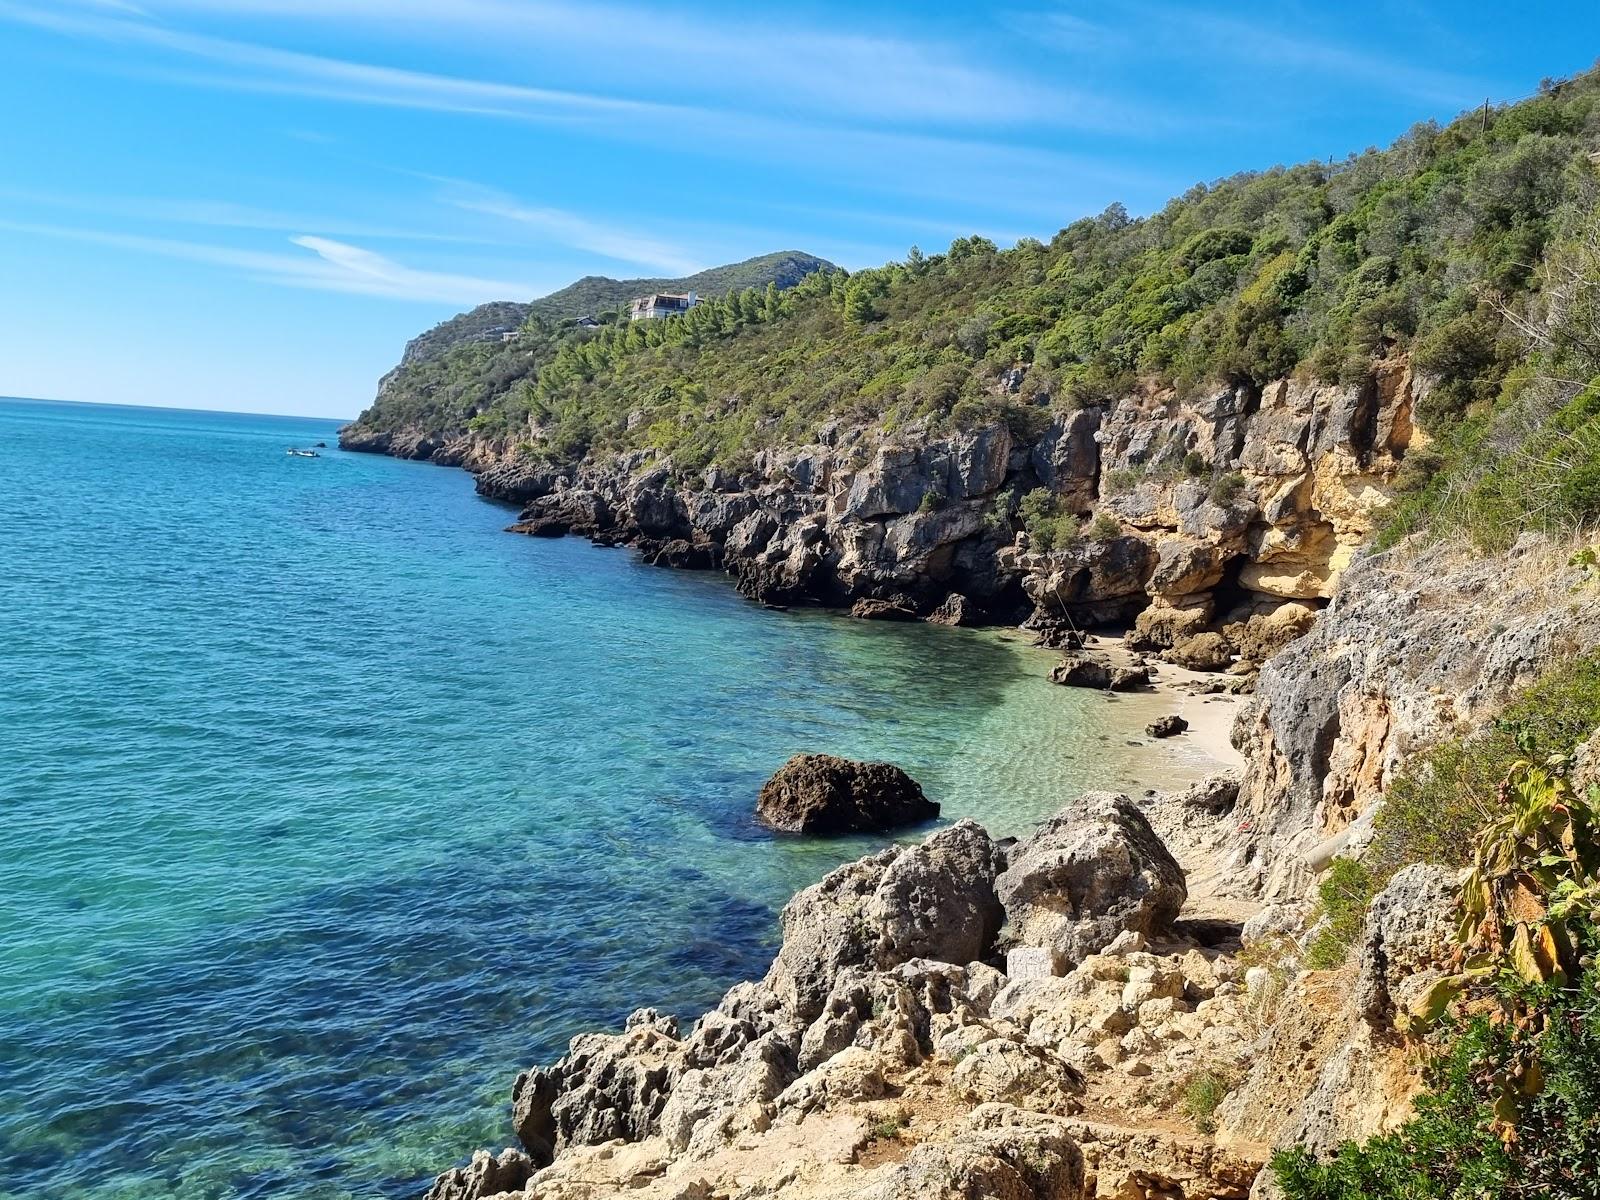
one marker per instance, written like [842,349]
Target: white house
[661,304]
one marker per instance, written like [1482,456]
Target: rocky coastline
[1118,1004]
[1114,1005]
[1220,521]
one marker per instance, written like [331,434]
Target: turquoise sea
[325,804]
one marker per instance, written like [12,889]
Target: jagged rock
[1030,1076]
[1003,1153]
[933,901]
[684,555]
[956,610]
[1086,875]
[854,1074]
[486,1175]
[1216,794]
[825,794]
[556,514]
[824,930]
[1067,458]
[1079,670]
[1168,726]
[709,1106]
[606,1086]
[1128,679]
[1407,941]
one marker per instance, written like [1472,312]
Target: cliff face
[1416,645]
[1223,521]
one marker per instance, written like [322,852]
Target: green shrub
[1200,1095]
[1471,1138]
[1104,527]
[1345,893]
[1049,528]
[1194,464]
[1225,489]
[1435,807]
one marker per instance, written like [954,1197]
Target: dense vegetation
[461,367]
[1513,1100]
[1470,246]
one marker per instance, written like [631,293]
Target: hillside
[1439,249]
[463,366]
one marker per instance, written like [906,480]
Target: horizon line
[217,412]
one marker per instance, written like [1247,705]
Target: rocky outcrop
[486,1175]
[884,1056]
[1235,511]
[1088,875]
[1330,1064]
[1417,644]
[822,794]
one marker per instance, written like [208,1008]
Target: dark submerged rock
[824,794]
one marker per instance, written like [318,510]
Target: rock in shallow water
[823,794]
[1168,726]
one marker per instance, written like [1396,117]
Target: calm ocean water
[327,805]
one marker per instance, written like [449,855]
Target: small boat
[297,453]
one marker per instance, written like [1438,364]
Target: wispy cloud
[224,214]
[327,266]
[1025,178]
[332,78]
[1278,40]
[840,72]
[582,233]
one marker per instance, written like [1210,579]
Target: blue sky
[252,204]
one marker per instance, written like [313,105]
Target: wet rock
[1086,875]
[1168,726]
[869,609]
[956,610]
[1128,679]
[486,1175]
[822,794]
[1079,670]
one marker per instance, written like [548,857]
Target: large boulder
[1088,874]
[1079,670]
[824,794]
[1000,1153]
[937,899]
[933,901]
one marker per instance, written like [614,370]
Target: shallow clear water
[325,804]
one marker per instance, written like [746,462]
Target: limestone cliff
[1228,515]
